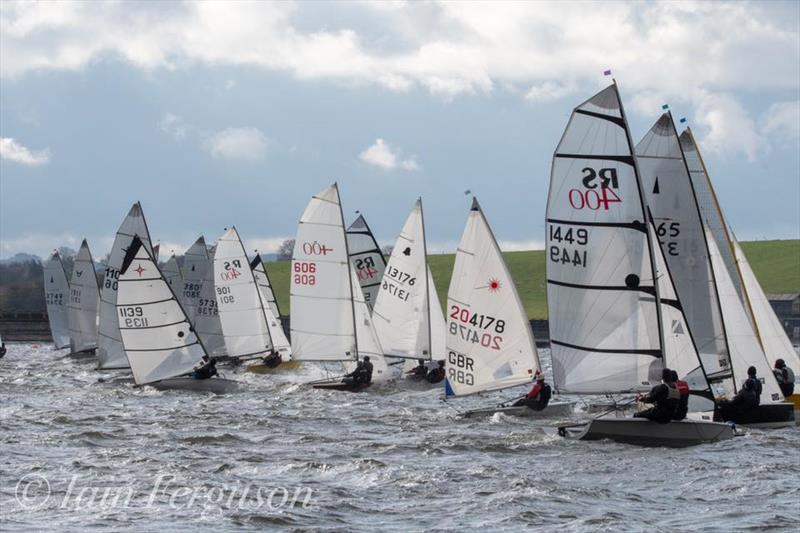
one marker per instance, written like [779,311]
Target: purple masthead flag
[607,72]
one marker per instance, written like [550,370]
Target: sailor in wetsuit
[362,375]
[272,360]
[206,369]
[748,397]
[419,371]
[436,374]
[539,396]
[683,401]
[664,397]
[2,350]
[785,377]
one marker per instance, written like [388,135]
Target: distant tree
[285,250]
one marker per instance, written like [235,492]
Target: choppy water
[280,455]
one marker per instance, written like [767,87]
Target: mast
[349,270]
[705,243]
[425,273]
[644,220]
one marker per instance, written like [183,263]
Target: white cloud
[517,246]
[380,154]
[41,244]
[173,125]
[549,91]
[729,127]
[12,150]
[247,144]
[782,121]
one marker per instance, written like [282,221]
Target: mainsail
[367,259]
[605,323]
[279,341]
[110,353]
[195,264]
[671,198]
[406,320]
[172,273]
[206,314]
[84,302]
[241,311]
[56,291]
[158,338]
[490,345]
[330,320]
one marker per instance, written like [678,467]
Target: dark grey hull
[215,385]
[553,409]
[642,432]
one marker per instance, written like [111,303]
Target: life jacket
[672,392]
[683,388]
[683,402]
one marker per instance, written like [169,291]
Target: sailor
[683,400]
[419,371]
[748,397]
[272,360]
[664,397]
[539,396]
[785,377]
[362,375]
[206,369]
[436,374]
[2,349]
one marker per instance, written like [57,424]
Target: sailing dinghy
[198,276]
[490,345]
[611,330]
[330,320]
[157,336]
[764,324]
[83,305]
[367,259]
[110,353]
[56,293]
[172,273]
[280,343]
[407,314]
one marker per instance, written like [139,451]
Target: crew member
[436,374]
[785,377]
[2,349]
[664,398]
[273,360]
[683,397]
[419,371]
[362,375]
[539,396]
[748,397]
[206,369]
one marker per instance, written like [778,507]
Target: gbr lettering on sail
[597,191]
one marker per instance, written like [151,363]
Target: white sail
[368,343]
[110,353]
[773,337]
[196,262]
[265,285]
[172,273]
[206,314]
[322,312]
[241,311]
[670,194]
[438,324]
[604,323]
[367,259]
[56,293]
[155,330]
[270,305]
[490,345]
[744,347]
[401,313]
[84,302]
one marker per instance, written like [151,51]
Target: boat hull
[85,354]
[553,409]
[264,369]
[215,385]
[766,416]
[342,387]
[795,400]
[642,432]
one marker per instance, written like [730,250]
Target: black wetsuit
[436,375]
[273,360]
[785,378]
[665,404]
[420,371]
[538,397]
[683,403]
[206,371]
[2,350]
[362,375]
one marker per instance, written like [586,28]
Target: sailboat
[157,336]
[615,320]
[490,344]
[56,291]
[407,314]
[367,259]
[200,297]
[110,353]
[83,305]
[767,327]
[330,320]
[280,343]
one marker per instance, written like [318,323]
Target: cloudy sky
[214,114]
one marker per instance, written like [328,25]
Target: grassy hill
[776,264]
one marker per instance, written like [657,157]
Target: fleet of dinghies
[643,274]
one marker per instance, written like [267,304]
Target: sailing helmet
[666,375]
[780,363]
[539,375]
[751,371]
